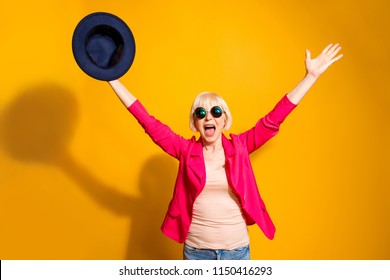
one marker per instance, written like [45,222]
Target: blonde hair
[210,99]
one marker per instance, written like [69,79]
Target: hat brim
[82,31]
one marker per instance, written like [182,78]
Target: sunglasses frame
[201,113]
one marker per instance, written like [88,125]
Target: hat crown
[104,46]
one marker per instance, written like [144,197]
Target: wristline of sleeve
[282,109]
[140,113]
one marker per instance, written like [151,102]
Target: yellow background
[79,179]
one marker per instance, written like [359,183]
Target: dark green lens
[216,111]
[200,112]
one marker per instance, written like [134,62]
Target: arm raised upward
[314,69]
[123,93]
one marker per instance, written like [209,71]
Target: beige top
[217,221]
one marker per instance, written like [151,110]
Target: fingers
[308,54]
[333,47]
[332,50]
[327,48]
[337,58]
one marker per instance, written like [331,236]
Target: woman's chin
[211,139]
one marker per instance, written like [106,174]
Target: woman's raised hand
[327,57]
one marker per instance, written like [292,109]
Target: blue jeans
[191,253]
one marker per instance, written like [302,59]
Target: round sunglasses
[201,112]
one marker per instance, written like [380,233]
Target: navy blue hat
[103,46]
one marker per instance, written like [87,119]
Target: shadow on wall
[39,123]
[156,183]
[37,128]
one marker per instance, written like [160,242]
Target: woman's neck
[213,147]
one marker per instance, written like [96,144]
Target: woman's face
[211,126]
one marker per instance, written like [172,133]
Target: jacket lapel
[228,147]
[232,174]
[195,164]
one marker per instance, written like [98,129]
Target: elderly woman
[216,195]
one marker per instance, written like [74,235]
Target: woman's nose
[209,116]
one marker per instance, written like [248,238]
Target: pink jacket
[191,175]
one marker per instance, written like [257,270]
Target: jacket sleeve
[160,133]
[268,126]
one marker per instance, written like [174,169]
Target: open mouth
[209,130]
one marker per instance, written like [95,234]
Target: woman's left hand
[327,57]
